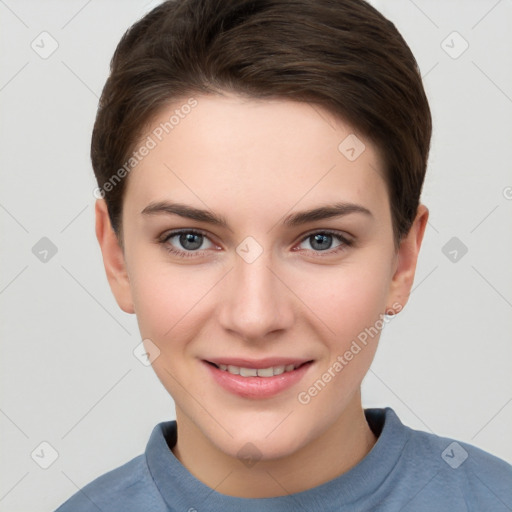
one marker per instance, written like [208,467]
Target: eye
[321,242]
[190,240]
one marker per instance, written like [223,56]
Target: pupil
[189,238]
[318,238]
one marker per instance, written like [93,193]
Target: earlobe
[407,259]
[113,258]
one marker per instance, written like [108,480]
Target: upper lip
[258,363]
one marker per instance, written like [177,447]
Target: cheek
[169,299]
[153,305]
[352,310]
[164,306]
[348,300]
[159,299]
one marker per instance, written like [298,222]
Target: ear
[407,257]
[113,258]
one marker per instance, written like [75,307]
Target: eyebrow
[292,220]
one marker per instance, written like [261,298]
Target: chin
[257,444]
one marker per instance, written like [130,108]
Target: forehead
[221,150]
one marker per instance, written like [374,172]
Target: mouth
[251,371]
[257,379]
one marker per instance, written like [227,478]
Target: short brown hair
[342,55]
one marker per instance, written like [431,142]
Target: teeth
[261,372]
[248,372]
[265,372]
[235,370]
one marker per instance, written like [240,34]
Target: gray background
[69,376]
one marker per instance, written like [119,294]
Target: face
[266,287]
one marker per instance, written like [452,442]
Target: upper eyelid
[174,232]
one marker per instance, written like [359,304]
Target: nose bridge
[257,303]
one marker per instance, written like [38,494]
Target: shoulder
[458,471]
[129,487]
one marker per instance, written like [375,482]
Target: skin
[255,162]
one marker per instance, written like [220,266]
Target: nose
[256,302]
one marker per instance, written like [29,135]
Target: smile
[257,372]
[257,383]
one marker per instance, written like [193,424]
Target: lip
[257,387]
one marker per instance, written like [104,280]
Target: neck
[344,444]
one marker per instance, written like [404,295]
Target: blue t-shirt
[406,471]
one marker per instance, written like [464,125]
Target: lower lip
[257,387]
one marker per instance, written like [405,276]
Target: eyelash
[345,243]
